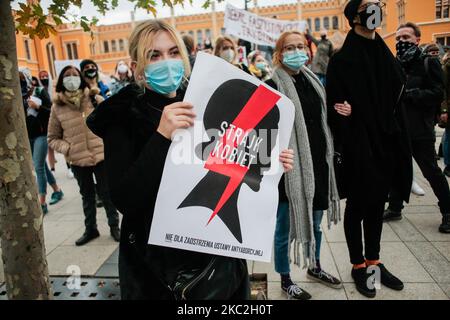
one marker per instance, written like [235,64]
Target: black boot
[391,215]
[445,226]
[361,278]
[87,236]
[388,279]
[115,233]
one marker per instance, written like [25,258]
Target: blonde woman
[226,49]
[137,125]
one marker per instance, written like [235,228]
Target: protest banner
[256,29]
[219,189]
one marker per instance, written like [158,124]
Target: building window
[92,47]
[208,34]
[335,23]
[72,51]
[317,24]
[222,31]
[121,45]
[443,40]
[309,23]
[27,49]
[191,33]
[326,23]
[105,46]
[199,37]
[401,11]
[442,9]
[51,57]
[113,46]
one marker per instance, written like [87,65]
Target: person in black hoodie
[136,126]
[364,88]
[37,104]
[423,97]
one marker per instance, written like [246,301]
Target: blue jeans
[282,237]
[39,149]
[446,146]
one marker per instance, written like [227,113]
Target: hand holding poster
[259,30]
[219,189]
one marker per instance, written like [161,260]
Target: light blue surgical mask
[164,76]
[261,66]
[295,60]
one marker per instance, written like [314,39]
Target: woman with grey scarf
[310,188]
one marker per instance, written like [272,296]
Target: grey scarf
[300,181]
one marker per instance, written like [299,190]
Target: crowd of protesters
[361,116]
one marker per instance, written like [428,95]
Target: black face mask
[44,82]
[323,37]
[371,18]
[23,87]
[406,51]
[91,74]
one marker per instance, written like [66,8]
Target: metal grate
[90,289]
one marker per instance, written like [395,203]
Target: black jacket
[373,140]
[37,126]
[424,95]
[135,155]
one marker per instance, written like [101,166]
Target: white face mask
[228,55]
[72,83]
[122,68]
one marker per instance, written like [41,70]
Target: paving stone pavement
[412,248]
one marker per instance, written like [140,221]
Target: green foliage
[31,19]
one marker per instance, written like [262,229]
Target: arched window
[121,45]
[335,23]
[326,23]
[199,37]
[113,46]
[317,24]
[309,24]
[51,57]
[105,46]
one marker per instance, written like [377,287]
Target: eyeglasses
[293,47]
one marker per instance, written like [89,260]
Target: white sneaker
[69,174]
[416,189]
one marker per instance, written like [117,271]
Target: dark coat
[374,140]
[135,155]
[37,126]
[423,97]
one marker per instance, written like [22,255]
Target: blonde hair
[219,44]
[277,59]
[142,37]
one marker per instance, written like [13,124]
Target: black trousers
[371,217]
[85,179]
[423,152]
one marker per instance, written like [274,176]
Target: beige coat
[69,135]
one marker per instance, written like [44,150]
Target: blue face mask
[165,76]
[261,66]
[295,60]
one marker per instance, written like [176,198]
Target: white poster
[61,64]
[259,30]
[219,189]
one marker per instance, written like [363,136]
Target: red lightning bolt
[258,106]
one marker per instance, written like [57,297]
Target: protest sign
[219,189]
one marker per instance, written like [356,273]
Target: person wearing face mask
[69,135]
[37,105]
[424,94]
[259,67]
[364,90]
[322,56]
[444,114]
[137,126]
[89,70]
[122,77]
[310,188]
[225,48]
